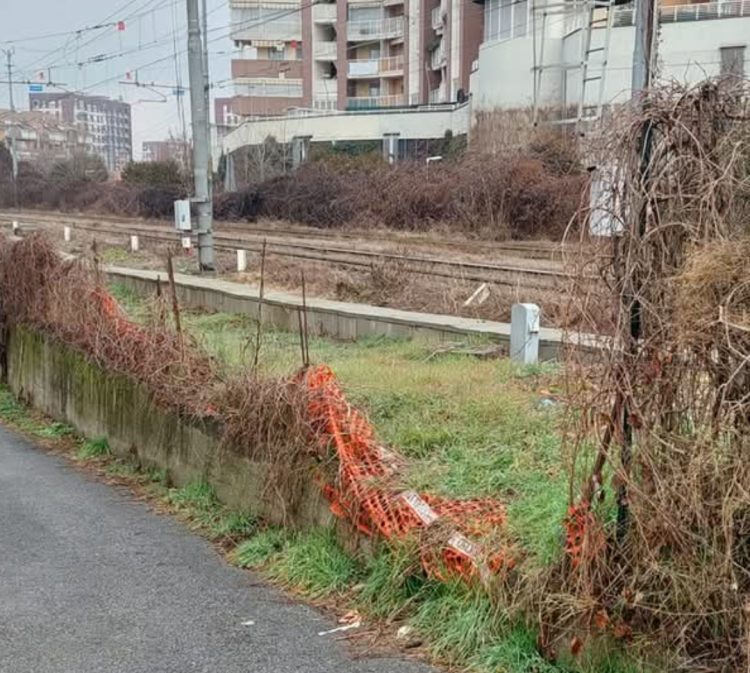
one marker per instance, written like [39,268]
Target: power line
[254,23]
[107,22]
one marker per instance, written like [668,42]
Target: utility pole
[207,92]
[644,56]
[201,146]
[645,46]
[9,61]
[11,131]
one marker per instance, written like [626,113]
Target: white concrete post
[134,244]
[67,234]
[241,260]
[15,226]
[524,334]
[187,242]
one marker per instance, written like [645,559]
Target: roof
[38,121]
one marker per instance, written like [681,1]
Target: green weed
[392,581]
[514,652]
[198,503]
[121,468]
[158,476]
[235,525]
[458,621]
[94,448]
[129,300]
[115,255]
[259,549]
[19,416]
[315,564]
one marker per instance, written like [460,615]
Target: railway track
[539,250]
[319,249]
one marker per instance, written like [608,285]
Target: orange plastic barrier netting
[366,492]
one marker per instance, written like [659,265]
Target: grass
[470,427]
[197,503]
[315,564]
[94,448]
[461,625]
[21,417]
[259,549]
[114,255]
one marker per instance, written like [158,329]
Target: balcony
[703,11]
[438,59]
[376,67]
[438,96]
[248,24]
[437,19]
[325,94]
[266,68]
[374,102]
[268,88]
[379,29]
[325,51]
[326,88]
[324,12]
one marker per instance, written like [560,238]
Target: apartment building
[533,51]
[350,55]
[172,149]
[106,122]
[38,138]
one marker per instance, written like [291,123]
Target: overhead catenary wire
[248,23]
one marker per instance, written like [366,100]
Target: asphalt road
[91,581]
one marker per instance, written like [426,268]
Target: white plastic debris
[341,629]
[481,295]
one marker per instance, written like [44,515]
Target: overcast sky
[148,37]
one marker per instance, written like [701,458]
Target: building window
[266,22]
[733,61]
[365,13]
[505,19]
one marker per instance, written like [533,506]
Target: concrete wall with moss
[64,384]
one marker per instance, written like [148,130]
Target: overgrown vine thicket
[659,535]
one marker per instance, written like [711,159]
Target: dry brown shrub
[666,406]
[65,299]
[529,184]
[266,420]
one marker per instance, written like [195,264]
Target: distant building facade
[166,150]
[351,55]
[552,53]
[107,123]
[37,137]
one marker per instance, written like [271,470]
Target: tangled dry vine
[661,516]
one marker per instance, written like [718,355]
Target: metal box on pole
[182,215]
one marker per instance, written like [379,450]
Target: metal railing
[703,11]
[437,95]
[437,58]
[377,29]
[268,88]
[370,102]
[374,67]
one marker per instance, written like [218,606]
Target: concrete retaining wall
[340,320]
[66,386]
